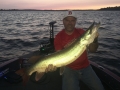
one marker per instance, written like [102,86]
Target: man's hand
[96,38]
[50,68]
[93,46]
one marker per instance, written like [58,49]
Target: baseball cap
[69,13]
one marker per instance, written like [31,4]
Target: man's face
[69,23]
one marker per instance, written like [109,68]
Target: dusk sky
[57,4]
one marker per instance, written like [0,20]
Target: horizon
[62,9]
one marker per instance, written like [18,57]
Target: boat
[9,80]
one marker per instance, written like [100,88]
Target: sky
[57,4]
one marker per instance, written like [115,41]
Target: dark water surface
[22,31]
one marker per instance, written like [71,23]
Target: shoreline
[117,8]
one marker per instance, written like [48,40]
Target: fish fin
[38,75]
[25,77]
[87,47]
[62,70]
[34,59]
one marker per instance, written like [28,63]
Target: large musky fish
[68,55]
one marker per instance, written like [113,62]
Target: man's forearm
[93,46]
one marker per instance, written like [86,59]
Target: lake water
[22,31]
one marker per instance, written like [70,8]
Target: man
[79,69]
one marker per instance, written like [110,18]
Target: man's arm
[93,46]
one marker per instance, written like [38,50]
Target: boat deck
[50,81]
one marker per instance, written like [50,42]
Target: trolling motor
[52,32]
[48,46]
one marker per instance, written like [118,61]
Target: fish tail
[25,76]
